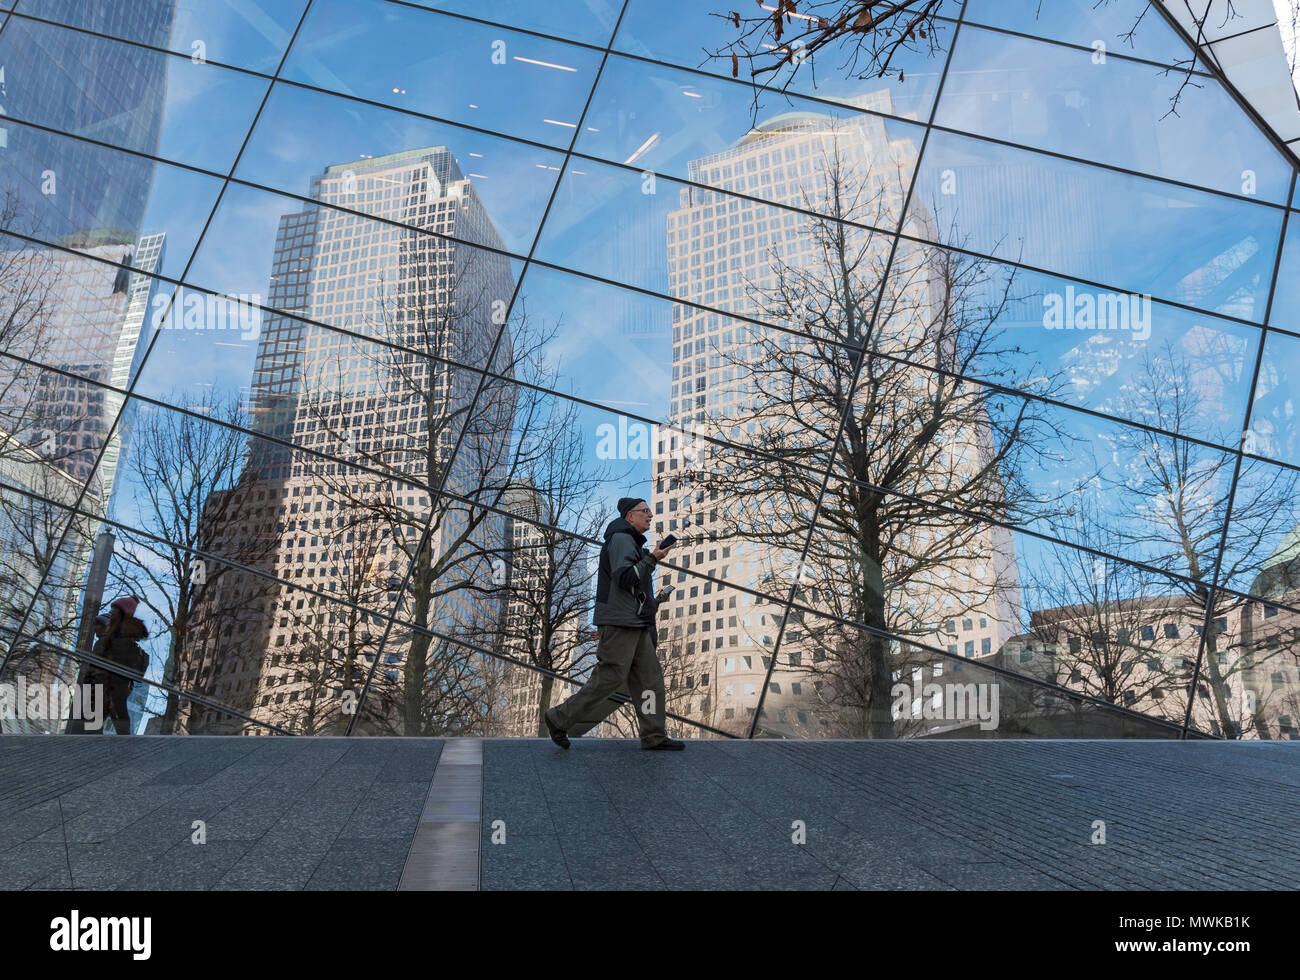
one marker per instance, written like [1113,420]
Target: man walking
[626,661]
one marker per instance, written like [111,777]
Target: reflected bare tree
[546,563]
[922,447]
[872,38]
[187,482]
[439,423]
[1178,492]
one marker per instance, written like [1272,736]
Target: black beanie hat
[627,503]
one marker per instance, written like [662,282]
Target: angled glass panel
[656,359]
[103,203]
[285,656]
[705,247]
[1096,225]
[704,129]
[1250,687]
[1242,686]
[46,546]
[1058,99]
[915,575]
[1111,630]
[687,34]
[315,144]
[1285,311]
[544,579]
[1273,428]
[516,84]
[1262,533]
[1129,27]
[61,418]
[409,287]
[78,314]
[835,680]
[589,21]
[1106,351]
[46,673]
[962,446]
[146,101]
[334,395]
[714,675]
[248,35]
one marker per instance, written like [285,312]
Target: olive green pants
[626,663]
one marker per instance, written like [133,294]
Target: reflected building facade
[356,421]
[545,615]
[736,253]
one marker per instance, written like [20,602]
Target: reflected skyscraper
[393,390]
[739,254]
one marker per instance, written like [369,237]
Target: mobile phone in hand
[669,541]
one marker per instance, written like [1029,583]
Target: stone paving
[332,813]
[894,815]
[280,813]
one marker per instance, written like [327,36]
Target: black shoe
[668,745]
[558,737]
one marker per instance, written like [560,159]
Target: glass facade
[334,329]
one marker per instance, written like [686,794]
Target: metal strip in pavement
[444,851]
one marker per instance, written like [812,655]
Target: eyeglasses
[640,510]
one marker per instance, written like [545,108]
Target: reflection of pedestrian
[118,637]
[625,654]
[85,683]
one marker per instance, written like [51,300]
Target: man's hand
[662,551]
[663,594]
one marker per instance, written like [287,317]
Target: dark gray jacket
[625,587]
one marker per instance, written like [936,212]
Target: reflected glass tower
[416,306]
